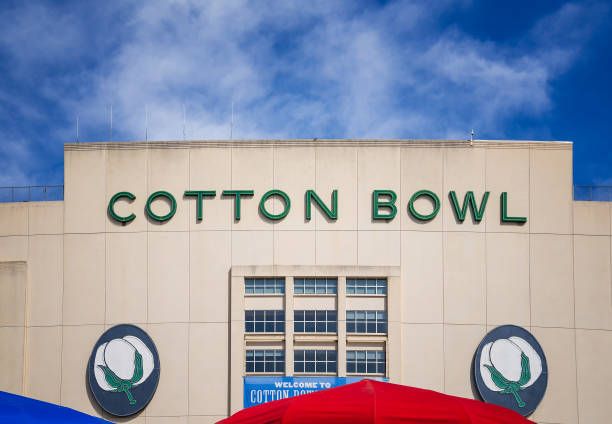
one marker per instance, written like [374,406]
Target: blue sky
[520,70]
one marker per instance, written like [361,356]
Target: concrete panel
[366,303]
[46,268]
[13,219]
[167,420]
[380,248]
[44,363]
[592,282]
[423,356]
[294,247]
[84,294]
[171,397]
[464,278]
[252,247]
[593,353]
[507,171]
[294,173]
[508,279]
[336,247]
[264,302]
[559,403]
[206,419]
[84,194]
[422,169]
[460,343]
[336,169]
[46,217]
[13,281]
[422,278]
[11,359]
[592,218]
[126,170]
[209,266]
[379,169]
[552,280]
[77,344]
[252,169]
[551,191]
[208,369]
[169,171]
[126,278]
[13,248]
[210,169]
[315,303]
[464,170]
[168,264]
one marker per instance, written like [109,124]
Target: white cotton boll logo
[509,366]
[121,364]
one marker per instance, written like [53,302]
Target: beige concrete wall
[458,280]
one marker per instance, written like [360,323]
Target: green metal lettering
[172,206]
[311,195]
[504,211]
[262,204]
[377,204]
[111,207]
[200,196]
[433,197]
[237,194]
[469,199]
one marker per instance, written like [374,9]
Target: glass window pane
[350,367]
[332,327]
[259,367]
[321,366]
[371,327]
[249,327]
[321,327]
[361,327]
[298,355]
[309,315]
[350,315]
[299,327]
[350,354]
[309,367]
[331,355]
[249,315]
[361,367]
[299,367]
[331,366]
[280,327]
[309,355]
[361,355]
[259,315]
[259,327]
[309,327]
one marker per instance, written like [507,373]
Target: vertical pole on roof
[232,123]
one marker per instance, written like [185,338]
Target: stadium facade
[280,259]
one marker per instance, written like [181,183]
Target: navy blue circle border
[533,395]
[117,403]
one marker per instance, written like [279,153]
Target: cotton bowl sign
[123,370]
[510,369]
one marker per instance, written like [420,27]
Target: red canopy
[369,401]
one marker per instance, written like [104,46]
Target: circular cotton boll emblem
[510,369]
[124,370]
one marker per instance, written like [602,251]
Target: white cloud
[325,69]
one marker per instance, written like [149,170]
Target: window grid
[315,361]
[315,321]
[366,286]
[264,321]
[264,285]
[269,360]
[365,362]
[366,322]
[315,286]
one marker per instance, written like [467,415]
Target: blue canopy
[19,409]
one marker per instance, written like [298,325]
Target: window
[265,360]
[315,321]
[264,321]
[315,285]
[314,361]
[365,361]
[366,322]
[366,286]
[264,286]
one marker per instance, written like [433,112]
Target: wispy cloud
[332,69]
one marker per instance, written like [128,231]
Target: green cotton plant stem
[125,387]
[514,390]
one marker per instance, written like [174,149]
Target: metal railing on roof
[31,193]
[593,193]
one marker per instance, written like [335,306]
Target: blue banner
[258,390]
